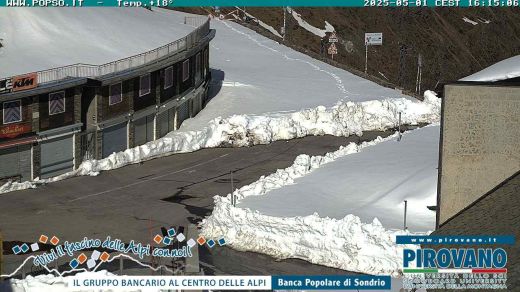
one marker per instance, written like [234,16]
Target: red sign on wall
[24,82]
[11,131]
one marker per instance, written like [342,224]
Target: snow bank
[346,244]
[404,170]
[344,119]
[505,69]
[312,29]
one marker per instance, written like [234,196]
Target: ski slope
[258,76]
[370,184]
[44,38]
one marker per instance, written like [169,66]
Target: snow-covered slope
[505,69]
[371,184]
[260,76]
[44,38]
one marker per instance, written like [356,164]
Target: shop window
[185,70]
[168,77]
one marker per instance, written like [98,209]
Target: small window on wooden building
[116,94]
[186,70]
[12,111]
[205,62]
[144,84]
[56,103]
[197,64]
[168,77]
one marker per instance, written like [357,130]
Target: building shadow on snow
[215,84]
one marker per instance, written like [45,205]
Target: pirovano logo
[455,268]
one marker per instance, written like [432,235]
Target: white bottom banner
[171,282]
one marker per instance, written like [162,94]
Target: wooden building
[51,121]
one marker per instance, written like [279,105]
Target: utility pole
[419,75]
[401,70]
[232,191]
[1,254]
[284,23]
[366,58]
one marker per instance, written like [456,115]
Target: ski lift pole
[405,209]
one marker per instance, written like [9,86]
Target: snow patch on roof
[46,38]
[505,69]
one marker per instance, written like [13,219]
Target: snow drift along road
[344,119]
[346,243]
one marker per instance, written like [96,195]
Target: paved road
[135,201]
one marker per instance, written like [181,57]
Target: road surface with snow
[129,202]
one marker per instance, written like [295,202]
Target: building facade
[480,142]
[479,168]
[53,120]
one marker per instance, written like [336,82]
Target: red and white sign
[24,82]
[333,38]
[332,49]
[12,131]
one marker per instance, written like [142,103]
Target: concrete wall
[480,143]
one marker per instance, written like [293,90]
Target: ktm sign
[24,82]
